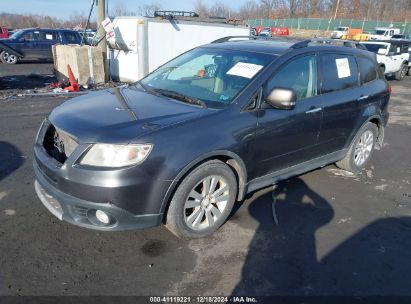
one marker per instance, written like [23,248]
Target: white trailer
[142,44]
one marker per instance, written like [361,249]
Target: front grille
[58,144]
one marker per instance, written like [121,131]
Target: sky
[64,9]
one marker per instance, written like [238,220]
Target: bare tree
[201,8]
[268,7]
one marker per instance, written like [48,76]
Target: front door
[288,137]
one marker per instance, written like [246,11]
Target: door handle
[362,98]
[313,110]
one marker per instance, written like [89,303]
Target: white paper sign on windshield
[343,67]
[243,69]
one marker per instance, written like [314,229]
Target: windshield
[212,76]
[342,29]
[375,47]
[16,34]
[380,32]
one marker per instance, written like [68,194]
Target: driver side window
[299,75]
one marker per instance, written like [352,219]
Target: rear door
[341,98]
[46,40]
[288,137]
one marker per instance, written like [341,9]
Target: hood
[119,115]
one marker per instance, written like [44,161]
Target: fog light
[102,217]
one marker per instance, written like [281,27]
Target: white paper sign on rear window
[243,69]
[343,67]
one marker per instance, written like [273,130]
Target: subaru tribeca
[182,145]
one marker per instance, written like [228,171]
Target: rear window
[70,37]
[375,47]
[49,36]
[339,72]
[368,72]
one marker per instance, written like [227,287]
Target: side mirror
[22,39]
[281,99]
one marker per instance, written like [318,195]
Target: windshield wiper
[181,97]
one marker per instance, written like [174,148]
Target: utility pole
[101,33]
[336,9]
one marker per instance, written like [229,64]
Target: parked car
[384,33]
[35,44]
[90,37]
[392,56]
[220,121]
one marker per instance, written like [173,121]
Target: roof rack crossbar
[172,14]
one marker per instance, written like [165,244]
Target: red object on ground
[74,87]
[280,31]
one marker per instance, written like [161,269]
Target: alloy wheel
[9,58]
[206,202]
[363,148]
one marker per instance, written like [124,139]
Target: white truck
[392,56]
[339,32]
[139,45]
[384,33]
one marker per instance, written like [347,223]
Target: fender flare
[234,161]
[10,50]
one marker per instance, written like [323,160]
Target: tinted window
[31,36]
[48,36]
[70,37]
[367,69]
[375,47]
[300,75]
[338,72]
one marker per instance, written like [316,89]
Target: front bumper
[82,213]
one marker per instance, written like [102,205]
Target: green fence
[330,24]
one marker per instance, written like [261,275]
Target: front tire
[203,201]
[360,150]
[8,58]
[400,75]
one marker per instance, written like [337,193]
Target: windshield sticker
[343,67]
[243,69]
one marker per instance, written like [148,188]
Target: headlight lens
[106,155]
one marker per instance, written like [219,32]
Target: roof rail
[252,37]
[297,43]
[228,38]
[301,44]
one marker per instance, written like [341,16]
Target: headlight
[105,155]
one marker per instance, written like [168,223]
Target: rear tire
[203,201]
[360,150]
[401,73]
[8,58]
